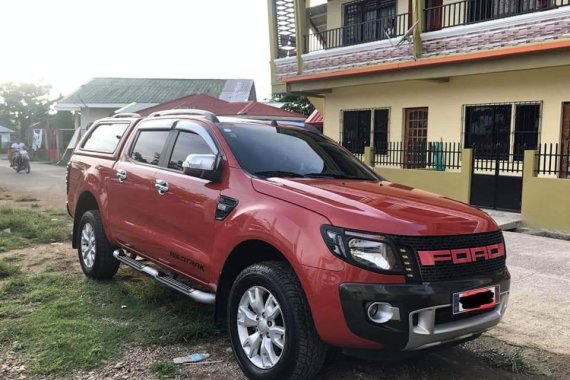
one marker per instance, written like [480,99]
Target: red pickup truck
[297,244]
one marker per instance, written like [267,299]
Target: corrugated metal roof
[223,108]
[142,90]
[5,130]
[196,101]
[238,90]
[315,118]
[135,107]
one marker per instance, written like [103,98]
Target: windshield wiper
[278,173]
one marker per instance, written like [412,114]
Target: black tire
[100,263]
[28,169]
[303,351]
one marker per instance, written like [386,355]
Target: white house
[5,137]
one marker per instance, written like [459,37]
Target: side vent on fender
[225,206]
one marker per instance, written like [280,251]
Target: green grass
[7,268]
[64,321]
[164,370]
[28,227]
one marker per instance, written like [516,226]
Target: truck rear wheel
[95,251]
[270,324]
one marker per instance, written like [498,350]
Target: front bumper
[423,316]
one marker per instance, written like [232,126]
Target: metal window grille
[553,159]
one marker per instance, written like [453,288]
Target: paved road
[45,182]
[539,304]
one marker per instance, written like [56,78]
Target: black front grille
[447,271]
[434,243]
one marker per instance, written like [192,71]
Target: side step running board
[196,295]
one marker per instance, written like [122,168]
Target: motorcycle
[22,161]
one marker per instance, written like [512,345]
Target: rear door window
[149,146]
[105,137]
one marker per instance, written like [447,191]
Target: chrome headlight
[371,251]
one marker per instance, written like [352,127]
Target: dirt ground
[45,182]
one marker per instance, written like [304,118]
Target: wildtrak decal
[188,261]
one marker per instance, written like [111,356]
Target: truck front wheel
[270,324]
[95,251]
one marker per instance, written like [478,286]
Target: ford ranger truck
[296,243]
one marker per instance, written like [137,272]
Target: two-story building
[493,75]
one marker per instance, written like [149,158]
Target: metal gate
[497,178]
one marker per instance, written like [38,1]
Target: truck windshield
[267,151]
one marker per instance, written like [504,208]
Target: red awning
[315,118]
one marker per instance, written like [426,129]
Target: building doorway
[499,134]
[415,137]
[433,12]
[565,140]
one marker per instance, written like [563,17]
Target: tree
[24,103]
[295,103]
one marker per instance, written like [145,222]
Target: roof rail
[183,111]
[126,114]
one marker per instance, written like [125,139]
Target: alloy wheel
[261,327]
[88,245]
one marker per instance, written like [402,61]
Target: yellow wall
[544,200]
[445,100]
[335,9]
[452,185]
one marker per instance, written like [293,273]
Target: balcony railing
[360,33]
[435,18]
[474,11]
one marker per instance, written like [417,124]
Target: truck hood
[383,207]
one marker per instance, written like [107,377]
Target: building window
[368,20]
[488,129]
[356,127]
[381,131]
[527,121]
[359,125]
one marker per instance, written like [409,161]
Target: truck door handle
[121,175]
[161,186]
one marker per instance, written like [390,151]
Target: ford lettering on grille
[461,256]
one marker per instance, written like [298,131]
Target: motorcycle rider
[15,149]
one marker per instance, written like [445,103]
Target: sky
[65,43]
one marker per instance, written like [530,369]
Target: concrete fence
[545,201]
[452,184]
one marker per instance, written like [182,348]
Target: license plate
[475,300]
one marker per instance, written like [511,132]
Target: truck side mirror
[205,166]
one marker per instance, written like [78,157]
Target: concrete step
[505,220]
